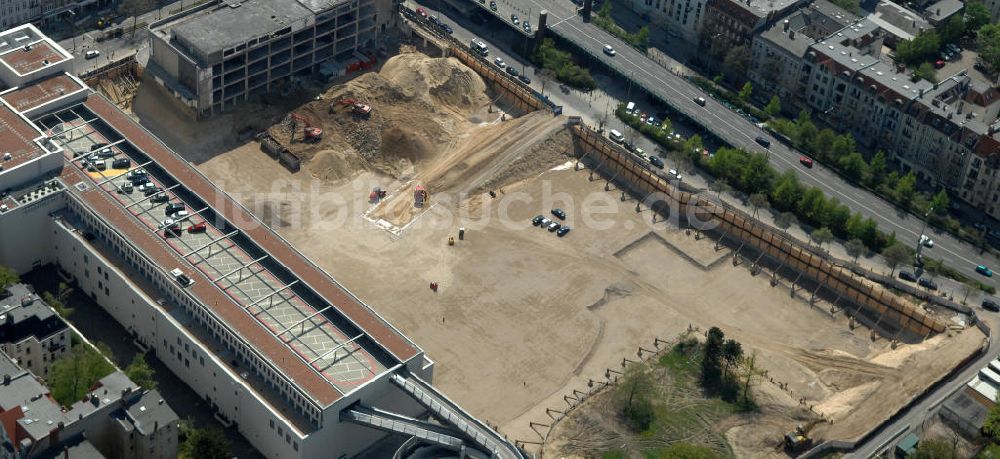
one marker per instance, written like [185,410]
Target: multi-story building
[30,331]
[18,12]
[731,23]
[215,56]
[776,54]
[681,18]
[275,346]
[940,131]
[116,417]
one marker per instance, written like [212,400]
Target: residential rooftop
[24,314]
[25,50]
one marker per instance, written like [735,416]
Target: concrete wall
[22,246]
[28,172]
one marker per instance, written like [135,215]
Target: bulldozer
[358,108]
[309,132]
[799,440]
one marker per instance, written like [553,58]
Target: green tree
[205,444]
[876,168]
[895,255]
[976,16]
[906,189]
[56,304]
[821,236]
[853,166]
[756,175]
[933,448]
[925,46]
[8,277]
[633,397]
[141,373]
[953,29]
[805,130]
[736,63]
[732,352]
[786,191]
[940,202]
[988,39]
[925,72]
[773,107]
[720,186]
[711,370]
[72,375]
[745,92]
[785,220]
[855,248]
[758,201]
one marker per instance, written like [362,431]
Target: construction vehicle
[357,107]
[419,196]
[799,440]
[309,132]
[376,195]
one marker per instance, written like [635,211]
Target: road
[739,132]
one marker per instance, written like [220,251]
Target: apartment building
[14,13]
[34,425]
[278,349]
[223,53]
[30,331]
[946,132]
[681,18]
[731,23]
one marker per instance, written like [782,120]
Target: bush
[561,63]
[603,20]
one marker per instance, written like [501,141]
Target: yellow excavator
[799,440]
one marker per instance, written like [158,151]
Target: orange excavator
[309,132]
[357,107]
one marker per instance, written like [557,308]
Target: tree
[773,107]
[988,39]
[720,186]
[56,304]
[952,30]
[853,166]
[205,444]
[633,397]
[8,277]
[940,202]
[745,92]
[821,236]
[876,168]
[933,448]
[711,372]
[732,352]
[991,426]
[785,220]
[141,373]
[786,192]
[736,63]
[905,189]
[895,255]
[72,375]
[758,201]
[855,247]
[925,72]
[976,16]
[921,48]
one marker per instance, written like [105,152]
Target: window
[272,423]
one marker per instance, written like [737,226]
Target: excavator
[799,440]
[357,107]
[309,132]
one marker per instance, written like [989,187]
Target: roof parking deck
[257,287]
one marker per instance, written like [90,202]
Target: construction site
[380,173]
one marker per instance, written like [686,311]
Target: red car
[806,161]
[938,63]
[421,12]
[197,228]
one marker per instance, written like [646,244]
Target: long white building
[271,342]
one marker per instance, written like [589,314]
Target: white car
[926,241]
[500,63]
[609,50]
[91,54]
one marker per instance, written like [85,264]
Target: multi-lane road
[739,132]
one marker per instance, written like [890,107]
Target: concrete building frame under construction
[217,55]
[279,349]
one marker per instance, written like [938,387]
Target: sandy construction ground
[523,317]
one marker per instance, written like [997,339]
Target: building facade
[681,18]
[215,56]
[733,23]
[30,331]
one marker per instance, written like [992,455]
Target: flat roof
[224,27]
[27,59]
[317,356]
[40,93]
[17,138]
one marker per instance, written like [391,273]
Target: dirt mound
[331,165]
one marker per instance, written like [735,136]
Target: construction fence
[736,228]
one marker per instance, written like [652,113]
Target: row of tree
[603,19]
[561,63]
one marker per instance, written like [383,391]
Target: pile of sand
[420,105]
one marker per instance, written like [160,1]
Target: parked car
[91,54]
[199,227]
[609,50]
[562,231]
[806,161]
[524,79]
[493,5]
[907,276]
[447,29]
[159,199]
[526,25]
[700,101]
[544,222]
[514,19]
[990,305]
[121,163]
[421,12]
[500,63]
[553,227]
[125,188]
[537,220]
[512,71]
[559,213]
[938,63]
[172,208]
[927,283]
[982,269]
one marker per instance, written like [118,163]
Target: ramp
[450,413]
[395,423]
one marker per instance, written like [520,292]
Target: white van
[630,107]
[616,136]
[479,47]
